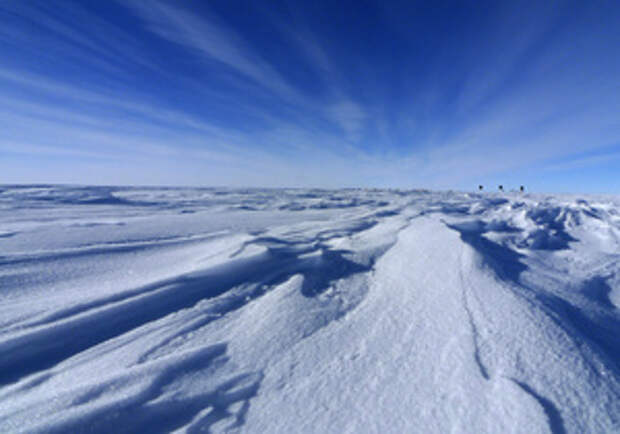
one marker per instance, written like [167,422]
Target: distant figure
[480,187]
[501,188]
[522,188]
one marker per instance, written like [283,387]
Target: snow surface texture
[280,311]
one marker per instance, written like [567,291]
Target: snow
[225,310]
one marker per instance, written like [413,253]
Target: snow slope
[220,310]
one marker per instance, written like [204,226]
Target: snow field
[194,310]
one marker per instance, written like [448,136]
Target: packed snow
[310,311]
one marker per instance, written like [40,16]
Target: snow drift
[222,310]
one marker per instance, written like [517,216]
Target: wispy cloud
[213,41]
[69,32]
[350,117]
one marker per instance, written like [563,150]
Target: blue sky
[294,93]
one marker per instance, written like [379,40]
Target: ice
[153,309]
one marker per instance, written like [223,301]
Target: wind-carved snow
[221,310]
